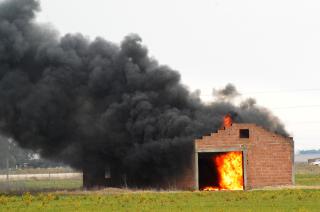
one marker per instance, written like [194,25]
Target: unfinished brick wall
[268,157]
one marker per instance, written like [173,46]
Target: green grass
[280,200]
[307,175]
[308,179]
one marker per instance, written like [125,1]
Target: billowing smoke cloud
[98,105]
[227,93]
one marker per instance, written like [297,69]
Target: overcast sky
[269,50]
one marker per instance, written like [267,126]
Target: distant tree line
[312,151]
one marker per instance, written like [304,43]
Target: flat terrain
[278,200]
[304,168]
[66,195]
[307,175]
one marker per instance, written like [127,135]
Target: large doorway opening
[220,171]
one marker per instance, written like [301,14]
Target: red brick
[269,156]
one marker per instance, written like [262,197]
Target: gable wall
[269,157]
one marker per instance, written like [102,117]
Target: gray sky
[269,50]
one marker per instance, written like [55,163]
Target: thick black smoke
[95,103]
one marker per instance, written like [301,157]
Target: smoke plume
[227,93]
[93,103]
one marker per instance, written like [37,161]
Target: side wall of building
[270,160]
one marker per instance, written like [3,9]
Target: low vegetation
[280,200]
[305,169]
[308,179]
[307,175]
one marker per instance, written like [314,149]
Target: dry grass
[304,168]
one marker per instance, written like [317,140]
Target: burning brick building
[112,111]
[241,156]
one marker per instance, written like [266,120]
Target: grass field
[66,195]
[307,175]
[304,168]
[308,179]
[279,200]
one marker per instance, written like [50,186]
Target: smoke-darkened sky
[268,49]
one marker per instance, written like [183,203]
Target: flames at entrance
[229,171]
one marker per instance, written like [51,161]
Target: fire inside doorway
[220,170]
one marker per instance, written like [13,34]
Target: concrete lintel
[230,149]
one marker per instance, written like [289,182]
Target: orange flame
[227,121]
[211,188]
[230,172]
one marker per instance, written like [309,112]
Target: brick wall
[269,157]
